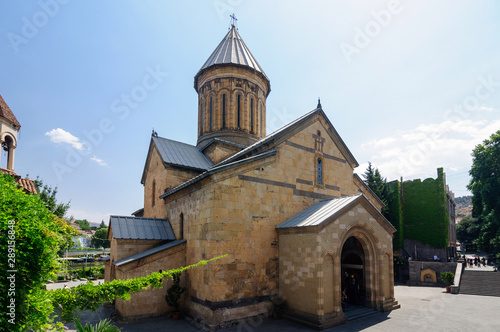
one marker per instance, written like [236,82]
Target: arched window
[319,171]
[153,193]
[261,132]
[181,225]
[201,124]
[251,115]
[210,114]
[239,111]
[224,111]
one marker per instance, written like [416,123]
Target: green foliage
[99,238]
[424,213]
[468,230]
[394,213]
[47,195]
[84,224]
[91,272]
[90,296]
[103,326]
[174,292]
[447,278]
[34,235]
[377,183]
[485,187]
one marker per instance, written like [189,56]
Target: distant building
[9,128]
[288,210]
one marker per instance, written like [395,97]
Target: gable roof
[282,132]
[6,113]
[149,252]
[178,154]
[322,211]
[135,228]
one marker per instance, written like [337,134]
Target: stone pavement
[422,309]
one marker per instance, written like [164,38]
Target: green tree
[485,187]
[468,230]
[103,225]
[84,224]
[29,240]
[99,238]
[377,184]
[48,196]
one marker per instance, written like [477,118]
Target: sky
[409,86]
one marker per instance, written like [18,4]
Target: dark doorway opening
[353,272]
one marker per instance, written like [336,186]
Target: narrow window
[201,125]
[261,132]
[238,115]
[251,115]
[153,193]
[224,111]
[181,236]
[210,114]
[319,171]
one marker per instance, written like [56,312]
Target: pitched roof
[5,112]
[135,228]
[324,210]
[217,169]
[27,185]
[149,252]
[181,154]
[232,50]
[286,129]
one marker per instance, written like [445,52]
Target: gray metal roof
[218,169]
[181,154]
[232,50]
[319,212]
[134,228]
[149,252]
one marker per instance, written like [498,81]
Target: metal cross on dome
[233,20]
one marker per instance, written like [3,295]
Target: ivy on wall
[424,211]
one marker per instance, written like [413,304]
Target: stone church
[298,225]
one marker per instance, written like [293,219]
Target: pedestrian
[484,262]
[475,261]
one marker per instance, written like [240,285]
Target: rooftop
[232,50]
[134,228]
[6,113]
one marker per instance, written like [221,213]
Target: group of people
[477,261]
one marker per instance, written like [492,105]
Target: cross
[233,20]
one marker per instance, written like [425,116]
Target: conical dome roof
[232,50]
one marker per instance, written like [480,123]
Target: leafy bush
[448,278]
[103,326]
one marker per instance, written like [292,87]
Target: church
[299,227]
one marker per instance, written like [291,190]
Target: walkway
[422,309]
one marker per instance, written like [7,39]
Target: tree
[468,230]
[84,224]
[99,238]
[377,184]
[47,195]
[30,236]
[103,225]
[485,187]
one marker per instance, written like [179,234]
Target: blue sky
[410,86]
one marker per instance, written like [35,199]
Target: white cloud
[100,162]
[61,136]
[418,152]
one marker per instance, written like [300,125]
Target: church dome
[232,50]
[232,90]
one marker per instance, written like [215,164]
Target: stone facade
[233,208]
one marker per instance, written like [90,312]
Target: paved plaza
[422,309]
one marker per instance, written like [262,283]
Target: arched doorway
[353,272]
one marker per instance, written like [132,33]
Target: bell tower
[232,90]
[9,127]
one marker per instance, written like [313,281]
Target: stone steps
[485,283]
[355,312]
